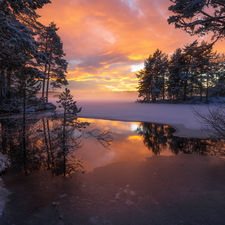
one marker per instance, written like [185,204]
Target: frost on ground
[3,198]
[4,162]
[180,116]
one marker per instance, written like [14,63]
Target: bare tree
[213,121]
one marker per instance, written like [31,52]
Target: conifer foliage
[199,17]
[68,124]
[152,77]
[26,47]
[55,67]
[192,70]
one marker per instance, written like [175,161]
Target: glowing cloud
[106,42]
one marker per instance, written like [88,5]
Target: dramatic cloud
[106,42]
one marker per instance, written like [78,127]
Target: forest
[194,72]
[31,55]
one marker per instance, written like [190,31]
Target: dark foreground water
[111,172]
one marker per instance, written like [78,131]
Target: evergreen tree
[178,75]
[190,70]
[152,77]
[26,88]
[206,67]
[219,76]
[18,46]
[199,17]
[19,53]
[55,67]
[173,86]
[68,123]
[144,81]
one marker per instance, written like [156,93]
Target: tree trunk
[8,92]
[46,142]
[43,85]
[207,90]
[50,143]
[1,87]
[153,99]
[201,87]
[3,136]
[24,128]
[43,88]
[185,91]
[64,141]
[49,67]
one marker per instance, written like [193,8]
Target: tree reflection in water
[44,144]
[156,137]
[44,149]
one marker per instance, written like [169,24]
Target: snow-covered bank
[4,193]
[4,162]
[122,106]
[179,116]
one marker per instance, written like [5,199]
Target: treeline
[31,55]
[194,70]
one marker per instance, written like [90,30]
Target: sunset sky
[106,41]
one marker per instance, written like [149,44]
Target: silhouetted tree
[199,17]
[152,78]
[55,67]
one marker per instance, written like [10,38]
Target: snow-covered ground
[4,162]
[122,106]
[179,116]
[4,193]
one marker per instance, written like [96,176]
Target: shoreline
[181,130]
[180,117]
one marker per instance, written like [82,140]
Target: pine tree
[219,88]
[18,46]
[178,75]
[199,17]
[152,77]
[68,123]
[26,88]
[55,67]
[205,68]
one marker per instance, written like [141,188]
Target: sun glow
[106,42]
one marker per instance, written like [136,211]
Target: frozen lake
[117,170]
[131,173]
[122,106]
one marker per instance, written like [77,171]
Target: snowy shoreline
[179,116]
[4,162]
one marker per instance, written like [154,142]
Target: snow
[3,198]
[179,116]
[4,162]
[122,107]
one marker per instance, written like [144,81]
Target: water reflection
[157,137]
[102,143]
[134,141]
[44,139]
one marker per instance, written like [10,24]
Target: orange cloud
[105,40]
